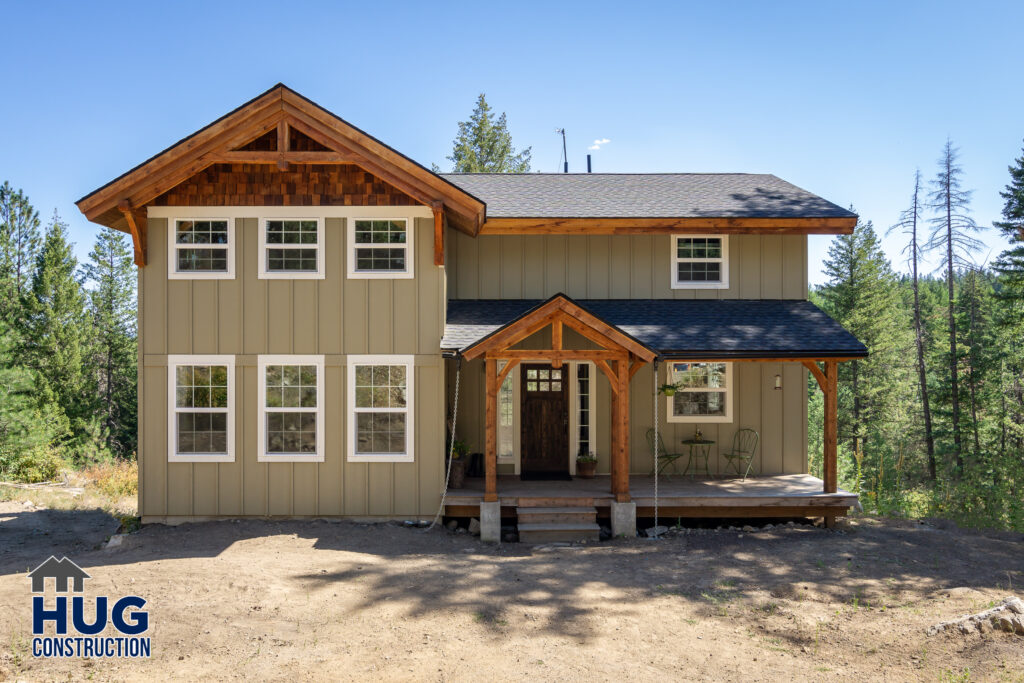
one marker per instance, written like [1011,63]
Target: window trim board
[730,391]
[172,249]
[351,362]
[262,362]
[410,252]
[264,273]
[175,360]
[674,262]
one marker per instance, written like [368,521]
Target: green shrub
[31,466]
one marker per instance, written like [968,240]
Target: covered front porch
[742,349]
[787,495]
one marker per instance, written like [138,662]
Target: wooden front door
[544,419]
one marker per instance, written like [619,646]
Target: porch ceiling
[695,328]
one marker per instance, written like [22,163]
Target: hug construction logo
[86,637]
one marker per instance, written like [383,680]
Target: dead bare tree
[952,238]
[908,224]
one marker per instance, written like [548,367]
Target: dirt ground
[321,600]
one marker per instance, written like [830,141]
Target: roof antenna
[564,154]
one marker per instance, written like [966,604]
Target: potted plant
[586,464]
[669,389]
[457,476]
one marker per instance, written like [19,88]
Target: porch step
[559,515]
[547,524]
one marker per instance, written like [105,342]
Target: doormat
[545,476]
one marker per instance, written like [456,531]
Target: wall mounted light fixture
[778,381]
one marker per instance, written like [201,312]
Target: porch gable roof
[694,328]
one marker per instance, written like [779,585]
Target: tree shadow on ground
[561,589]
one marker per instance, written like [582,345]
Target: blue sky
[844,99]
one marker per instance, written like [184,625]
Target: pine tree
[56,335]
[1010,264]
[112,305]
[863,297]
[484,144]
[908,223]
[19,245]
[24,425]
[952,237]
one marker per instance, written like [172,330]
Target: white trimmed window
[201,415]
[380,416]
[291,248]
[585,441]
[507,422]
[380,248]
[291,409]
[704,393]
[201,248]
[700,262]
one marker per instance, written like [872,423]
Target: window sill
[357,275]
[700,285]
[297,275]
[281,457]
[200,458]
[215,275]
[700,419]
[385,457]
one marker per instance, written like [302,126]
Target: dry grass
[116,480]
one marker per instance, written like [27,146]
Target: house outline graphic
[60,571]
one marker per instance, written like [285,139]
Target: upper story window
[201,415]
[292,248]
[380,248]
[700,262]
[201,248]
[704,393]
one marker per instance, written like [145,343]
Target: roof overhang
[660,226]
[113,205]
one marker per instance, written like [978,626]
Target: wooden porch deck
[788,495]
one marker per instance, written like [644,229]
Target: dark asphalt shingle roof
[708,328]
[643,195]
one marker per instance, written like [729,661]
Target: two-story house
[309,298]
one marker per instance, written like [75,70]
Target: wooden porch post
[491,448]
[831,431]
[620,424]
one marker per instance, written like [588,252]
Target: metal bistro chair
[664,457]
[744,443]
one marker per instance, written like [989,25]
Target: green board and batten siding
[638,267]
[247,316]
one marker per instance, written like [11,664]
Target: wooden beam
[663,226]
[529,324]
[556,342]
[455,198]
[831,428]
[283,137]
[727,511]
[505,370]
[438,208]
[491,432]
[635,366]
[206,139]
[235,157]
[137,226]
[547,355]
[620,451]
[619,338]
[613,378]
[818,374]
